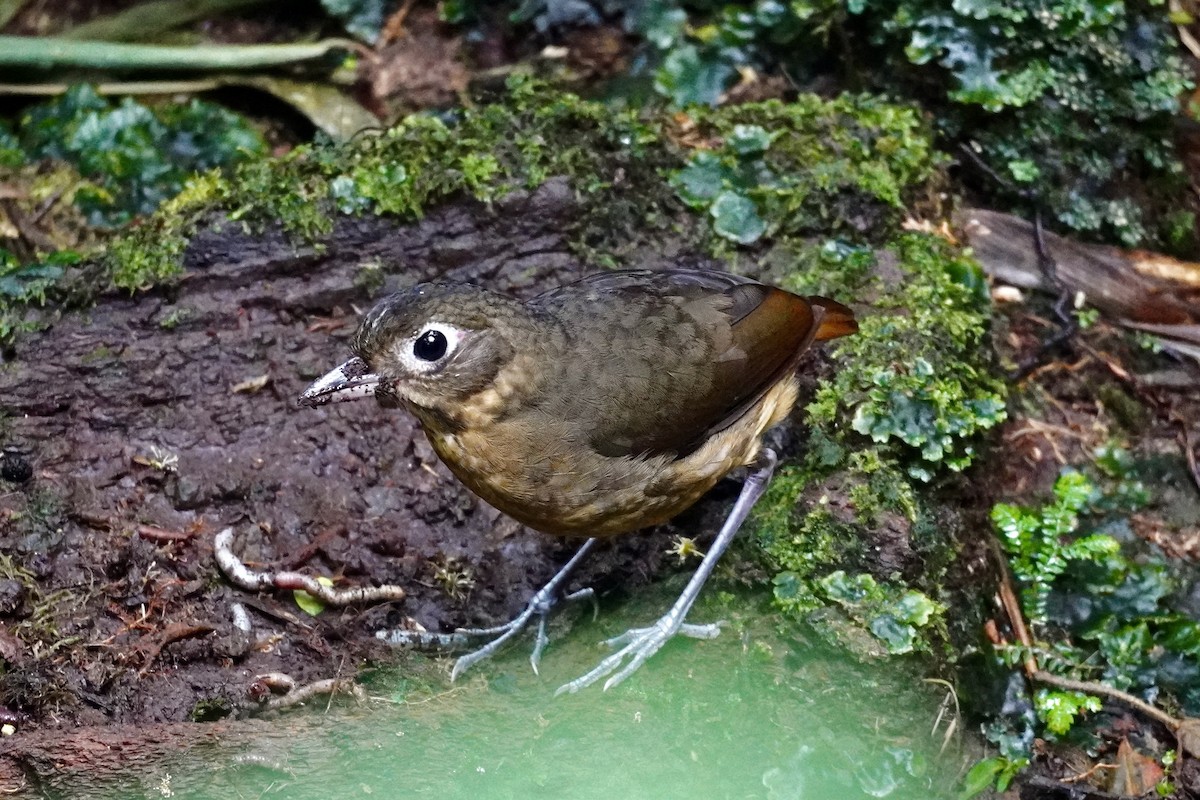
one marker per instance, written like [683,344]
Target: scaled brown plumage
[598,408]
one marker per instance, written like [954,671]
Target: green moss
[484,153]
[811,165]
[884,488]
[211,709]
[11,155]
[906,405]
[134,265]
[1126,410]
[916,376]
[823,165]
[24,289]
[816,545]
[171,320]
[1071,102]
[83,165]
[801,544]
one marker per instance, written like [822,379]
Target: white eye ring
[423,352]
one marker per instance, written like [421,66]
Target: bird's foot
[540,606]
[639,645]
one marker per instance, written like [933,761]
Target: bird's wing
[668,358]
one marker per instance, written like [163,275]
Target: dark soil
[141,449]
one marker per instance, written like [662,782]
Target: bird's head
[428,347]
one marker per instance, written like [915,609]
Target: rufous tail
[838,320]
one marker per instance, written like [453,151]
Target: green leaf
[915,608]
[1059,709]
[309,604]
[787,586]
[1009,772]
[704,177]
[456,12]
[849,590]
[688,77]
[1024,171]
[11,156]
[346,196]
[748,140]
[736,218]
[898,637]
[981,776]
[662,24]
[134,157]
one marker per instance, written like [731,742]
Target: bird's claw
[539,606]
[639,645]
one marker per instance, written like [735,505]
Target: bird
[594,409]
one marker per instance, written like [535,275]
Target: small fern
[1039,544]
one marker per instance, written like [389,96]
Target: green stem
[51,52]
[118,88]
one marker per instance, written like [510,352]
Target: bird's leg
[538,606]
[641,643]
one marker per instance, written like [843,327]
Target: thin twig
[1091,687]
[172,633]
[983,166]
[1012,607]
[295,694]
[1068,324]
[115,87]
[1008,598]
[1185,36]
[1089,773]
[254,581]
[157,534]
[337,676]
[393,29]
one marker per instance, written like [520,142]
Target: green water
[752,714]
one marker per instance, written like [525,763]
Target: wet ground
[149,424]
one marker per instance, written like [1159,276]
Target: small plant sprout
[159,459]
[456,580]
[683,548]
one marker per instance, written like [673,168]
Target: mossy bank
[811,194]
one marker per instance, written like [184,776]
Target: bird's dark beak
[351,381]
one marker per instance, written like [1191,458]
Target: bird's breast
[537,470]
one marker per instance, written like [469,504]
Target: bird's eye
[430,345]
[430,351]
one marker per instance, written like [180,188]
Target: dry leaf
[1135,773]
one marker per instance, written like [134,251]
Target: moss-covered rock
[912,393]
[841,165]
